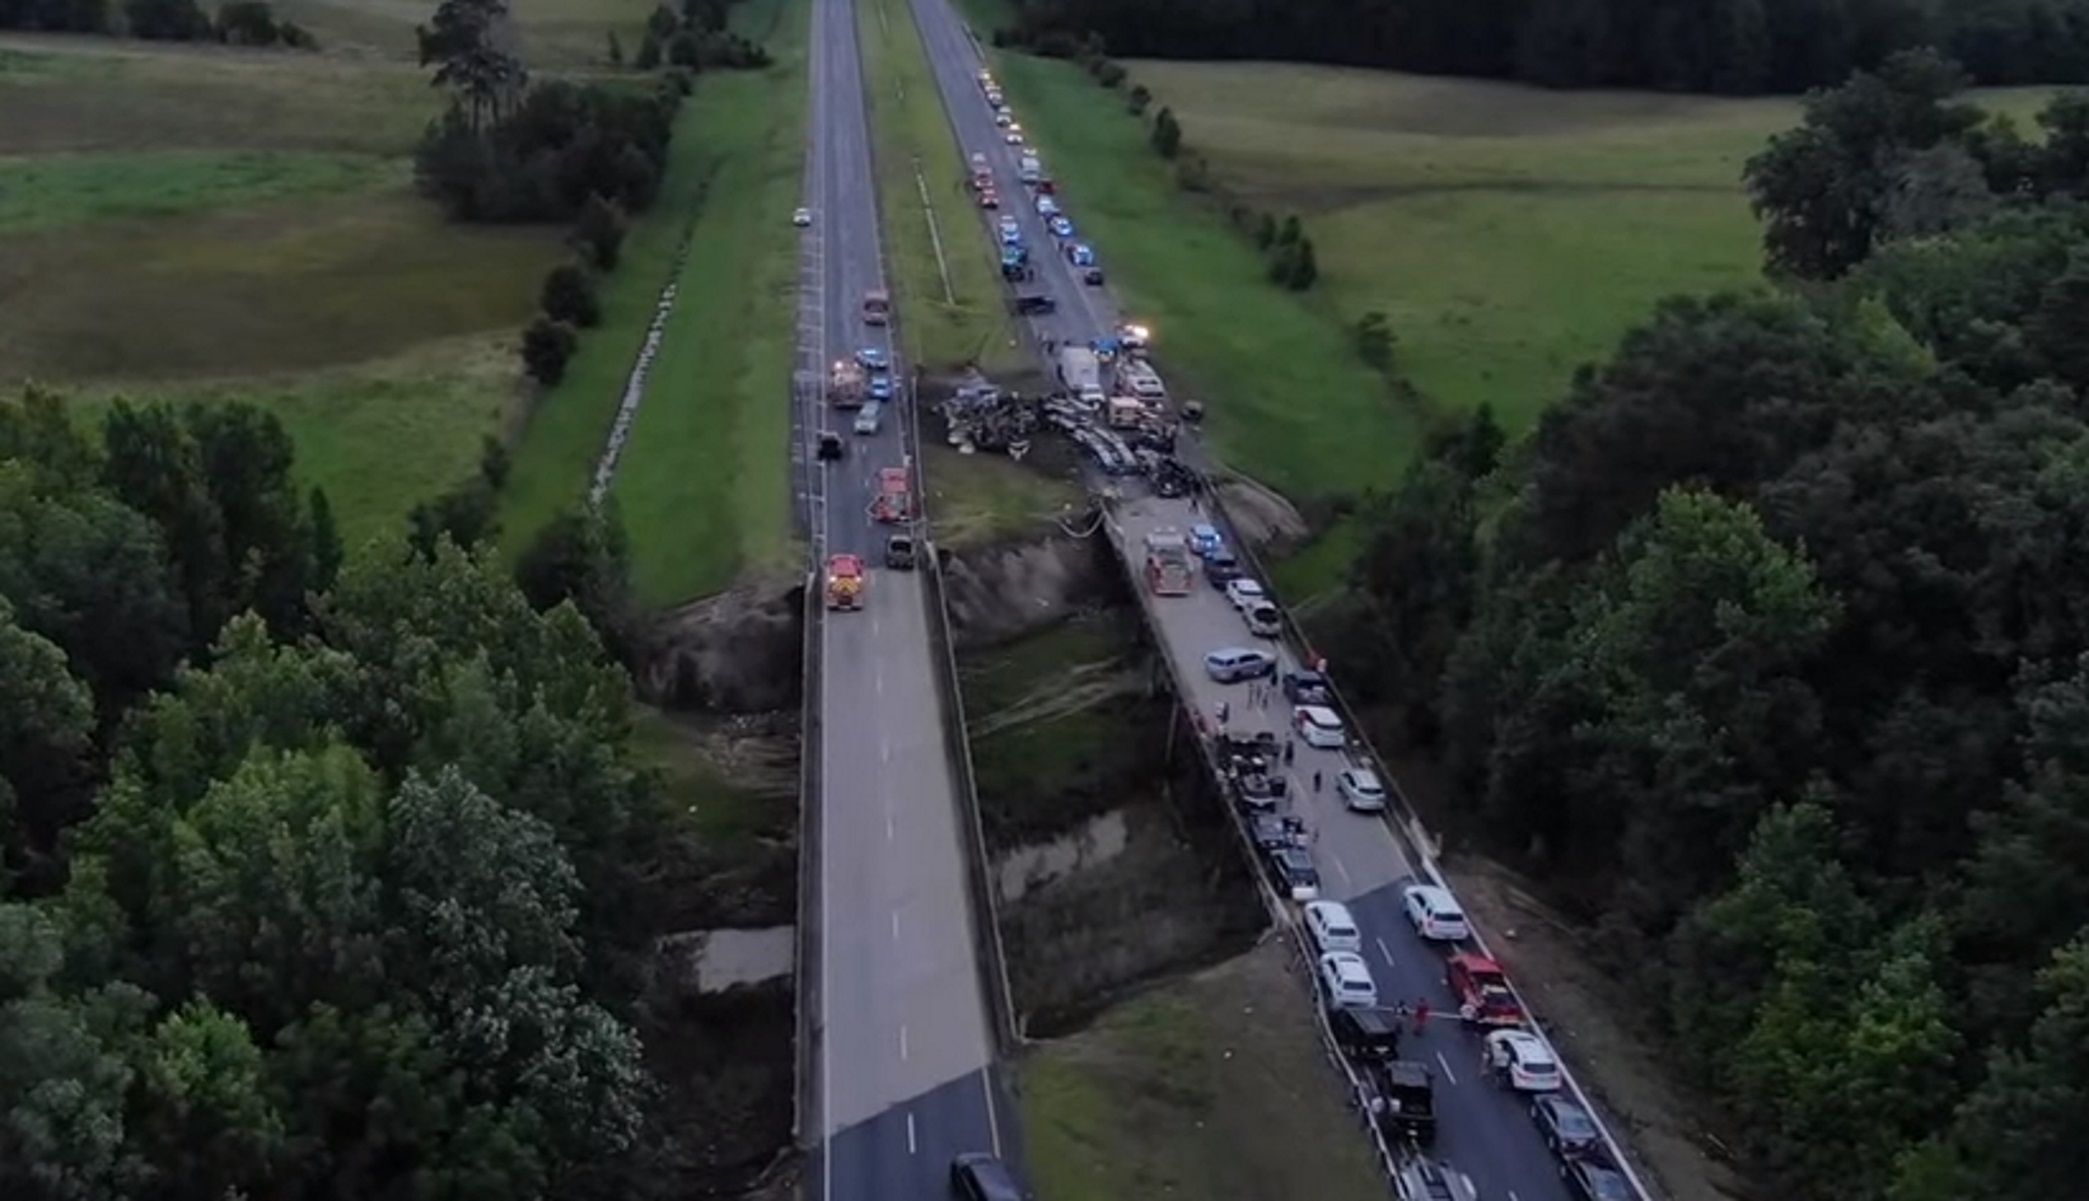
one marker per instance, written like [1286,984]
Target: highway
[903,1078]
[1485,1132]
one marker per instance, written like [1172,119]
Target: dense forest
[1729,46]
[1769,651]
[322,880]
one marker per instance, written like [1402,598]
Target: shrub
[569,296]
[547,346]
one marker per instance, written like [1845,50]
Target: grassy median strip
[702,483]
[952,307]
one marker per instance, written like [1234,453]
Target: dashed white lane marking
[902,1042]
[1384,951]
[895,925]
[911,1148]
[1453,1078]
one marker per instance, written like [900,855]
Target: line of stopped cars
[1400,1091]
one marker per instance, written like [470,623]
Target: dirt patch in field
[1213,1087]
[1671,1130]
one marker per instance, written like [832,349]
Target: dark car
[1221,568]
[1403,1098]
[899,553]
[1567,1127]
[1292,867]
[1592,1178]
[1306,688]
[1367,1035]
[1092,276]
[830,446]
[1271,830]
[1030,306]
[977,1176]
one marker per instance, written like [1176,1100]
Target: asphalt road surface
[1485,1131]
[904,1077]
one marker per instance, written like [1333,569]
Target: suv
[977,1176]
[1026,306]
[1403,1098]
[899,553]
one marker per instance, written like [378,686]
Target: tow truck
[1168,569]
[1482,989]
[895,502]
[845,582]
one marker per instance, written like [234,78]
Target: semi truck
[845,582]
[1082,373]
[1168,562]
[845,385]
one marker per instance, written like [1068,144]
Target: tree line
[323,877]
[1767,650]
[1726,46]
[238,22]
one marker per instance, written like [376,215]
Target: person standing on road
[1316,783]
[1290,752]
[1224,712]
[1421,1014]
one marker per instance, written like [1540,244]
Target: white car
[1319,727]
[1435,914]
[1002,119]
[1244,593]
[1012,138]
[1360,790]
[1331,927]
[1346,979]
[1522,1061]
[802,218]
[1263,621]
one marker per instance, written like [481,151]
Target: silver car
[1232,664]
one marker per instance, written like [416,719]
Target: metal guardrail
[986,907]
[1400,817]
[810,985]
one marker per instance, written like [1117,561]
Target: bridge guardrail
[809,831]
[1408,828]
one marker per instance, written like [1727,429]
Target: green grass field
[196,223]
[702,484]
[913,149]
[1212,1087]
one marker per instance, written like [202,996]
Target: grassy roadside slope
[701,483]
[703,486]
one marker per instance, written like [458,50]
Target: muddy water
[1036,865]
